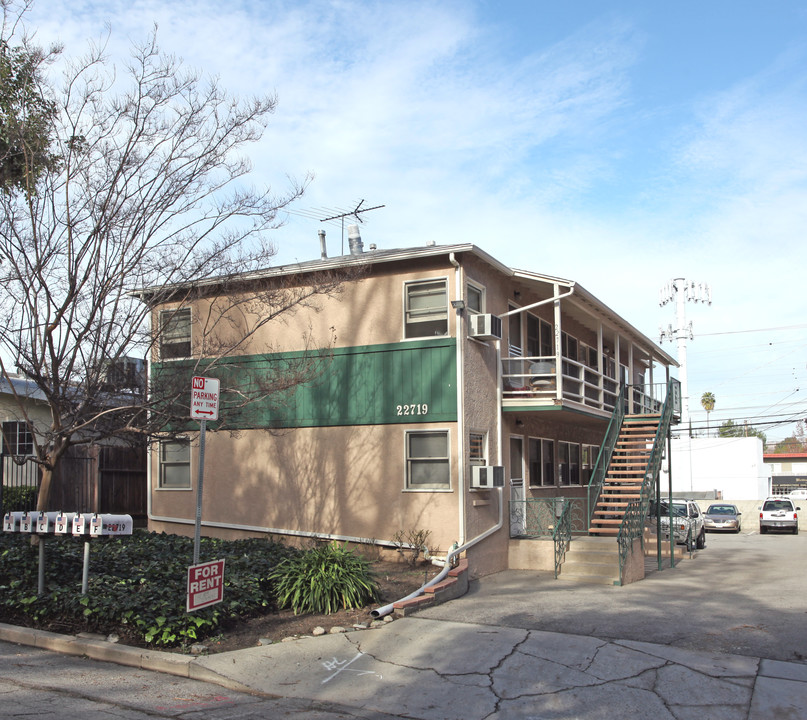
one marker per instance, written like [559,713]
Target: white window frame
[443,460]
[544,339]
[163,464]
[515,320]
[164,319]
[436,315]
[476,287]
[543,445]
[588,458]
[482,437]
[522,469]
[570,463]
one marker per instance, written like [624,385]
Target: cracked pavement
[441,670]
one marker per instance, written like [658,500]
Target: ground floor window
[587,462]
[477,448]
[175,464]
[427,461]
[569,463]
[542,462]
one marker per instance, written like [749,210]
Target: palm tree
[708,403]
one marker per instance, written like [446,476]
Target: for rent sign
[205,584]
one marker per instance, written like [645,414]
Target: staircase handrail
[632,524]
[600,468]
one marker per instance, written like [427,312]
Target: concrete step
[591,560]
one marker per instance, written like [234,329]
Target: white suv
[779,513]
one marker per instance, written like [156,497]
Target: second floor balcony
[542,381]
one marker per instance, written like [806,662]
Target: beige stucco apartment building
[444,360]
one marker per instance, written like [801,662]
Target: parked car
[721,516]
[798,494]
[687,522]
[779,513]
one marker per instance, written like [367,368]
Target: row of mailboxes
[59,523]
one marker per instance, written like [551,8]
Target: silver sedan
[722,517]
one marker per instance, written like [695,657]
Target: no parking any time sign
[204,398]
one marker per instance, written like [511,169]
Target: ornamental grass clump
[324,579]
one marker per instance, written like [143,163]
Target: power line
[737,332]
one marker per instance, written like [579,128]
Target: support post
[40,590]
[200,479]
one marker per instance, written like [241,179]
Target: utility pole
[682,291]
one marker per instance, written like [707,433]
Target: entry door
[518,501]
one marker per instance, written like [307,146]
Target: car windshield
[778,505]
[679,509]
[721,510]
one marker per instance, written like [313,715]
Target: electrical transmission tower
[682,291]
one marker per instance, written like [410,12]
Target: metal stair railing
[632,525]
[562,535]
[600,468]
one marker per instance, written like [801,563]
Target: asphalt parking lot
[744,594]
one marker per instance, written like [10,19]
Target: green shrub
[323,580]
[137,584]
[19,498]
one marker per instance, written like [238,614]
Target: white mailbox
[28,522]
[63,524]
[106,524]
[46,522]
[81,523]
[11,521]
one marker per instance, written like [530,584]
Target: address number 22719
[416,409]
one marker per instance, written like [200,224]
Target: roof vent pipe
[323,250]
[354,240]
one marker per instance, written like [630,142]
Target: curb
[96,649]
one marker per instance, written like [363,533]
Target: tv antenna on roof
[338,215]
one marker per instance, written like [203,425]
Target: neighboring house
[109,477]
[729,469]
[17,438]
[788,470]
[420,392]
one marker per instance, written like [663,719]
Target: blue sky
[617,144]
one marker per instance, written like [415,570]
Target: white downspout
[456,552]
[460,337]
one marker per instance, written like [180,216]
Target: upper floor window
[18,440]
[514,334]
[476,299]
[175,333]
[426,308]
[539,337]
[477,447]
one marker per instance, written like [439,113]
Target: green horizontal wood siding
[364,385]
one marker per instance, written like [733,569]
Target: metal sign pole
[202,428]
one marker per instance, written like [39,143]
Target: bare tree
[144,199]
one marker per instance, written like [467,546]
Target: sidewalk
[441,670]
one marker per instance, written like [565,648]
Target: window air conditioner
[486,326]
[487,476]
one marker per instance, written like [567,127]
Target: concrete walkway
[441,670]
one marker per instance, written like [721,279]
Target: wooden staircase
[623,481]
